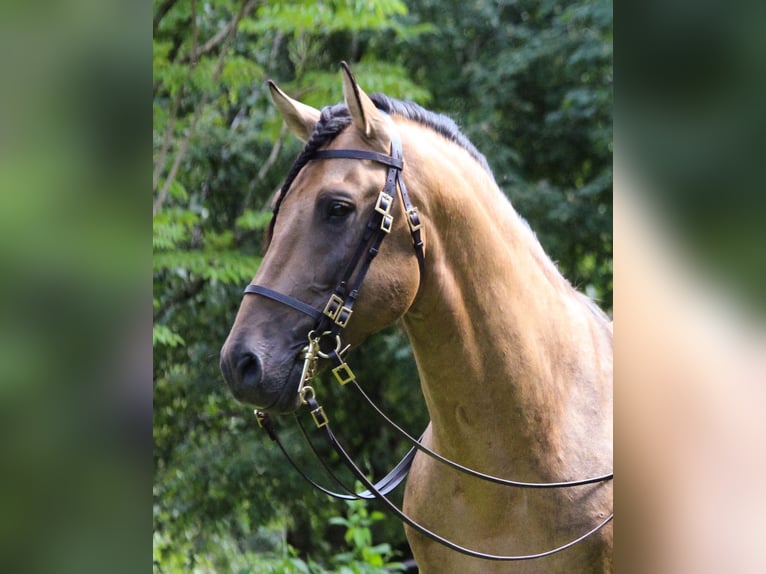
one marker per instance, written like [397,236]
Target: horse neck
[506,349]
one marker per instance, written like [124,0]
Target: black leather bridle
[339,307]
[329,323]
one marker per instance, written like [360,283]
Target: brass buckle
[333,306]
[343,374]
[384,203]
[386,223]
[342,316]
[413,218]
[320,419]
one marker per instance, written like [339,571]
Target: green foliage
[530,84]
[363,556]
[162,335]
[323,18]
[219,551]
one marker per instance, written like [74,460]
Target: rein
[325,342]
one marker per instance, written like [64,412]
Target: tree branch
[195,33]
[219,37]
[267,165]
[159,165]
[161,12]
[189,291]
[163,193]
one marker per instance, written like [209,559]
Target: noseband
[328,325]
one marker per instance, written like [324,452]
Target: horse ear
[299,117]
[366,117]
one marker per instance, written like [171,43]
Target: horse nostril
[249,369]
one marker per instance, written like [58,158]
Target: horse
[515,364]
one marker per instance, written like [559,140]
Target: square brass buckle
[320,419]
[384,203]
[333,306]
[344,374]
[413,218]
[342,316]
[387,223]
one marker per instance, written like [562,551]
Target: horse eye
[339,209]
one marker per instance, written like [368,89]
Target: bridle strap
[413,220]
[348,290]
[379,225]
[296,304]
[395,162]
[385,485]
[345,290]
[337,361]
[323,424]
[469,471]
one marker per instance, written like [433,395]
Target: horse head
[321,219]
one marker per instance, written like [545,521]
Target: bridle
[325,342]
[340,306]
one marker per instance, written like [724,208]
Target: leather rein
[325,342]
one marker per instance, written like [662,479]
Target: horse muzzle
[254,381]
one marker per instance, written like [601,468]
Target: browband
[385,159]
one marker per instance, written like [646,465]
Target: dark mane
[437,122]
[334,119]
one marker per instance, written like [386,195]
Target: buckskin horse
[515,364]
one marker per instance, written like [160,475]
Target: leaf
[361,537]
[225,267]
[377,515]
[162,335]
[324,17]
[171,227]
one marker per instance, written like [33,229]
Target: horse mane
[439,123]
